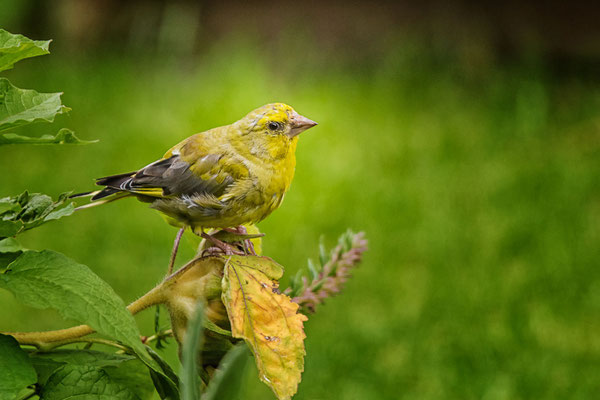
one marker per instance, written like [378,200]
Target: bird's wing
[171,177]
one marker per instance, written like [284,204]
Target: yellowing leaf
[266,319]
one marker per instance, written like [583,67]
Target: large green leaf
[227,381]
[133,374]
[48,279]
[84,382]
[46,363]
[124,369]
[192,343]
[16,371]
[22,106]
[64,136]
[17,47]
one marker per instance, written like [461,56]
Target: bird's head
[276,119]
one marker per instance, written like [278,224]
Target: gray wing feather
[174,177]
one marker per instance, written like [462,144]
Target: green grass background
[478,188]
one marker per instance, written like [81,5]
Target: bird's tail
[104,200]
[109,193]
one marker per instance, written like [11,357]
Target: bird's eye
[274,125]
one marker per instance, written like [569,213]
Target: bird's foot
[220,246]
[245,238]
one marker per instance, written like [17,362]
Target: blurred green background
[466,143]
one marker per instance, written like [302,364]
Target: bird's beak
[299,124]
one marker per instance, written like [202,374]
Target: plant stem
[162,334]
[48,338]
[53,345]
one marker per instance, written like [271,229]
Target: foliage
[333,270]
[266,319]
[213,301]
[17,371]
[474,173]
[17,47]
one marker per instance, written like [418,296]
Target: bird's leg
[174,251]
[225,247]
[248,246]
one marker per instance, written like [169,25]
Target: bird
[222,178]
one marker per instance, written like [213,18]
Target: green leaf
[192,343]
[313,269]
[211,326]
[164,379]
[9,228]
[227,381]
[133,374]
[27,211]
[49,279]
[14,48]
[10,245]
[84,382]
[16,371]
[64,136]
[322,252]
[83,357]
[8,204]
[62,212]
[7,258]
[123,369]
[22,106]
[46,363]
[37,207]
[10,249]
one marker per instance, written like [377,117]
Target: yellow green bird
[221,178]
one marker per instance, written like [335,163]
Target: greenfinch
[221,178]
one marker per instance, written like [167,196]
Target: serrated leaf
[46,363]
[16,370]
[192,343]
[48,279]
[134,375]
[23,106]
[227,381]
[83,357]
[268,321]
[14,48]
[84,382]
[64,136]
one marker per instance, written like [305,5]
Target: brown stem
[174,251]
